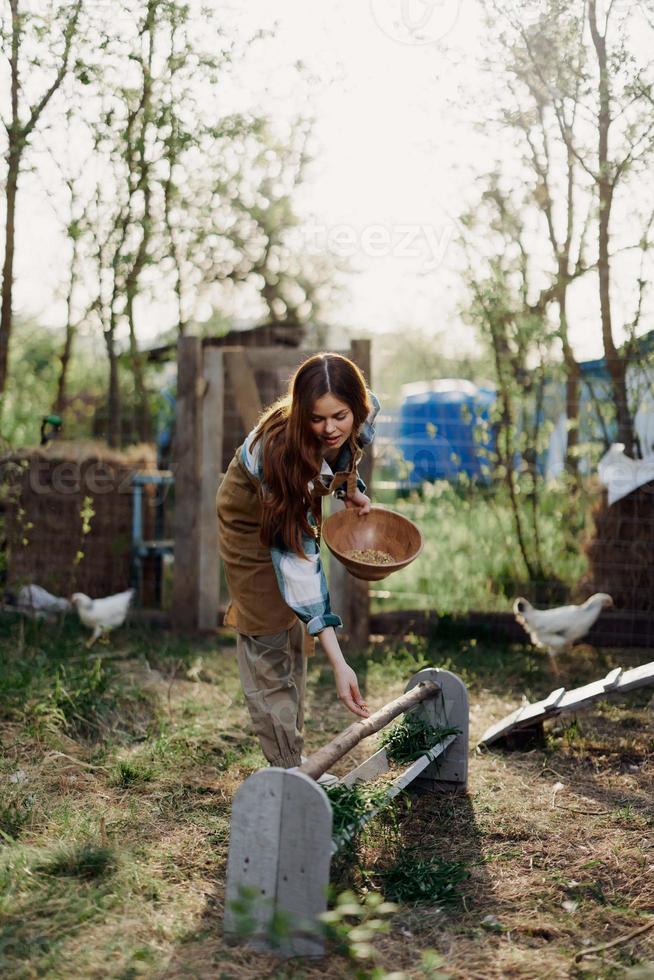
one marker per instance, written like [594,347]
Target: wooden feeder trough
[281,841]
[380,530]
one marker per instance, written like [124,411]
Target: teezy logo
[415,21]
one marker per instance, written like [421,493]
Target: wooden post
[212,411]
[244,385]
[187,470]
[278,865]
[449,709]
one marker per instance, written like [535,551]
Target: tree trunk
[60,400]
[572,376]
[143,421]
[616,364]
[114,412]
[13,168]
[320,761]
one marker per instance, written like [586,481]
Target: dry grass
[558,841]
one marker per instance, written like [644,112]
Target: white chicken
[557,629]
[38,602]
[102,615]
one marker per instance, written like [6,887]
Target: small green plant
[73,700]
[86,514]
[86,861]
[414,879]
[354,925]
[130,774]
[254,915]
[411,737]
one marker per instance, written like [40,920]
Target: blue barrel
[439,430]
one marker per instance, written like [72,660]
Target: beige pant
[273,676]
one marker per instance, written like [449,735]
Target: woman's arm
[347,686]
[304,588]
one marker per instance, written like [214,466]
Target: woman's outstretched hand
[360,501]
[347,688]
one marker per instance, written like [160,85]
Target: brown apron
[256,605]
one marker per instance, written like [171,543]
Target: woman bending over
[304,447]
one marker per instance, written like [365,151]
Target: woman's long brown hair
[292,453]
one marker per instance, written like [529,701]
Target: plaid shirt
[302,581]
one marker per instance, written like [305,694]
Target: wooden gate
[220,394]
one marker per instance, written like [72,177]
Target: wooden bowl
[381,530]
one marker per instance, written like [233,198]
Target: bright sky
[394,165]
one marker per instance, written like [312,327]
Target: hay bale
[47,491]
[620,551]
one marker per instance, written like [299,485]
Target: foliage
[413,878]
[471,558]
[412,737]
[130,774]
[573,106]
[351,804]
[15,812]
[32,384]
[355,924]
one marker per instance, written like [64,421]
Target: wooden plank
[339,578]
[612,678]
[449,709]
[358,597]
[278,862]
[375,765]
[244,386]
[304,861]
[253,858]
[212,408]
[616,681]
[637,677]
[622,628]
[187,470]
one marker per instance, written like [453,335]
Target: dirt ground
[557,839]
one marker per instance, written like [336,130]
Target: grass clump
[126,774]
[411,737]
[352,804]
[414,879]
[15,813]
[87,861]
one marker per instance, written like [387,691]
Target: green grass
[352,804]
[113,838]
[411,737]
[471,558]
[413,878]
[85,861]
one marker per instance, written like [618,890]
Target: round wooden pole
[320,761]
